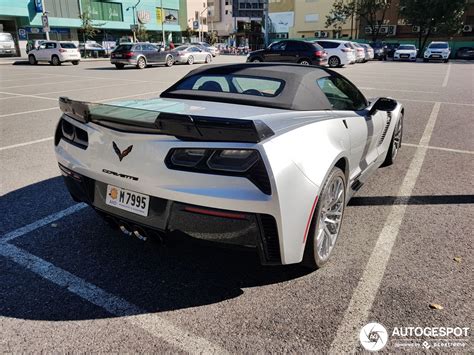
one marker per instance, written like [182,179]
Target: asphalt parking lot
[70,283]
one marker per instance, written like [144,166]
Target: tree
[188,33]
[371,11]
[142,34]
[213,38]
[431,16]
[88,28]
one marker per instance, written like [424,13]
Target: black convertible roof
[300,91]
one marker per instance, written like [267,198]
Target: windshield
[438,45]
[234,84]
[5,37]
[407,47]
[68,45]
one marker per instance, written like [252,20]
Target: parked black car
[302,52]
[391,48]
[141,55]
[465,53]
[380,50]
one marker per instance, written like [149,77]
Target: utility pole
[45,13]
[266,23]
[162,24]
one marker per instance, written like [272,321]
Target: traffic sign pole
[45,14]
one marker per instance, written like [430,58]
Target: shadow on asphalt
[180,272]
[412,200]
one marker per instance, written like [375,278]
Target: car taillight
[346,50]
[318,53]
[128,55]
[62,50]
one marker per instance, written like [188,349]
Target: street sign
[195,25]
[45,21]
[39,6]
[159,15]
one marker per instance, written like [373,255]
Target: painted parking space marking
[26,143]
[439,148]
[355,316]
[152,323]
[446,78]
[57,107]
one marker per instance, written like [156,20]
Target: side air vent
[271,243]
[385,129]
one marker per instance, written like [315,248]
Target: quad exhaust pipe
[133,231]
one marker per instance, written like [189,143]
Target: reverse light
[187,157]
[346,50]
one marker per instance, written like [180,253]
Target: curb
[24,61]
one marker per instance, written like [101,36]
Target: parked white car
[369,51]
[55,52]
[437,50]
[360,52]
[405,52]
[340,53]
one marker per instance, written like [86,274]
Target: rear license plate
[118,56]
[127,200]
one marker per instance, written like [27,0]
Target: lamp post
[45,13]
[200,30]
[162,24]
[134,14]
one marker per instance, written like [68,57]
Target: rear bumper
[123,61]
[216,225]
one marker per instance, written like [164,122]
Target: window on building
[62,8]
[102,10]
[311,18]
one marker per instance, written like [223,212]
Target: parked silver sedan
[191,54]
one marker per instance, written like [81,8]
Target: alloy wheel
[397,138]
[329,221]
[191,60]
[333,62]
[304,62]
[141,63]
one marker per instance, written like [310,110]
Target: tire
[32,60]
[322,236]
[190,60]
[334,61]
[208,59]
[169,61]
[141,63]
[119,65]
[256,60]
[304,62]
[425,60]
[55,60]
[75,62]
[395,143]
[446,60]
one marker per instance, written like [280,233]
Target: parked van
[7,45]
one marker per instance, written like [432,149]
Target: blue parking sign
[39,6]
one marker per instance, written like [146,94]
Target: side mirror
[383,104]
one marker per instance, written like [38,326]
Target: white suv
[340,53]
[437,50]
[55,52]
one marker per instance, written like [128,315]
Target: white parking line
[439,148]
[43,83]
[446,78]
[41,222]
[57,107]
[26,143]
[441,102]
[355,316]
[151,323]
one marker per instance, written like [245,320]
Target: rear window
[438,45]
[5,37]
[123,48]
[234,84]
[327,44]
[68,45]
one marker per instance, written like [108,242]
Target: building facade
[113,19]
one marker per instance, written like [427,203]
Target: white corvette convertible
[262,155]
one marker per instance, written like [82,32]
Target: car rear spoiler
[184,127]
